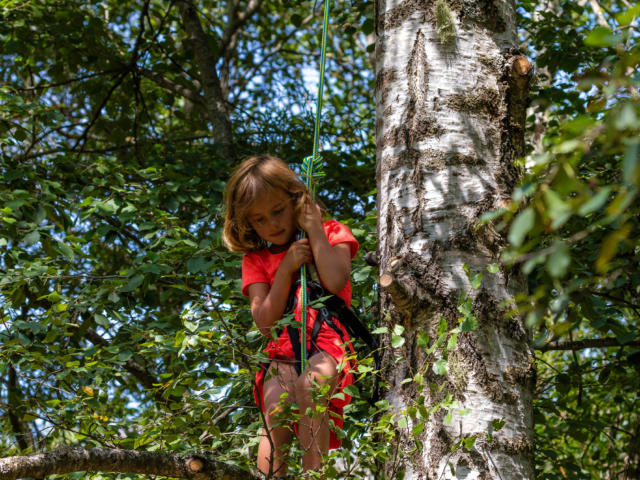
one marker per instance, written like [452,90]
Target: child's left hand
[310,218]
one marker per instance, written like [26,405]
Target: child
[266,206]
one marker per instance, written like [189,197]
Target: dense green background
[121,318]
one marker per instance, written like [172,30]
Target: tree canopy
[122,321]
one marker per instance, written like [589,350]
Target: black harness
[332,307]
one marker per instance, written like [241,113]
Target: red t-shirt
[261,266]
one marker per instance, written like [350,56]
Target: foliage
[573,229]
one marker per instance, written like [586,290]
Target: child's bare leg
[280,378]
[313,430]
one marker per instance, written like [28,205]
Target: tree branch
[206,62]
[587,343]
[15,411]
[170,85]
[113,148]
[66,460]
[134,368]
[136,49]
[118,81]
[66,82]
[236,21]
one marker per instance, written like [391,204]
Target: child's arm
[333,262]
[268,304]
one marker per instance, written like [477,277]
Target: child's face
[272,216]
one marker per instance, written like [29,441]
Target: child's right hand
[299,252]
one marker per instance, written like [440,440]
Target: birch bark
[449,126]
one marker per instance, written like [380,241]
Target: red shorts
[329,341]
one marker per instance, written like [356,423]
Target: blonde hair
[254,177]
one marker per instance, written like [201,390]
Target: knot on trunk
[401,282]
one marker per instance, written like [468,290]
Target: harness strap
[334,306]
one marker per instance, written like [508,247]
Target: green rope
[311,171]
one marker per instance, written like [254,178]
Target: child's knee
[312,386]
[304,385]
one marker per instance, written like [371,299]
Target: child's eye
[279,211]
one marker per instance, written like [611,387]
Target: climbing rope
[311,171]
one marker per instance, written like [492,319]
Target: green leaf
[596,202]
[380,330]
[521,226]
[133,283]
[197,264]
[442,326]
[352,390]
[448,417]
[469,442]
[397,341]
[31,238]
[629,15]
[368,26]
[493,268]
[609,247]
[53,297]
[469,324]
[559,260]
[602,37]
[452,343]
[65,250]
[476,281]
[402,422]
[60,307]
[423,339]
[440,367]
[418,428]
[497,424]
[110,207]
[625,337]
[125,355]
[192,327]
[101,320]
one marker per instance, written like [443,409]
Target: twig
[587,343]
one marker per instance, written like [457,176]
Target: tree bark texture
[450,117]
[206,60]
[67,460]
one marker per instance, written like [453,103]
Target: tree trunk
[451,95]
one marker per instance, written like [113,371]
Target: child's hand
[310,218]
[299,252]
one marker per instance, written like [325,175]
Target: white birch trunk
[449,124]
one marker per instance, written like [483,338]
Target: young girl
[266,206]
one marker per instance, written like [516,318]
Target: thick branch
[67,460]
[134,368]
[588,343]
[170,85]
[236,21]
[206,62]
